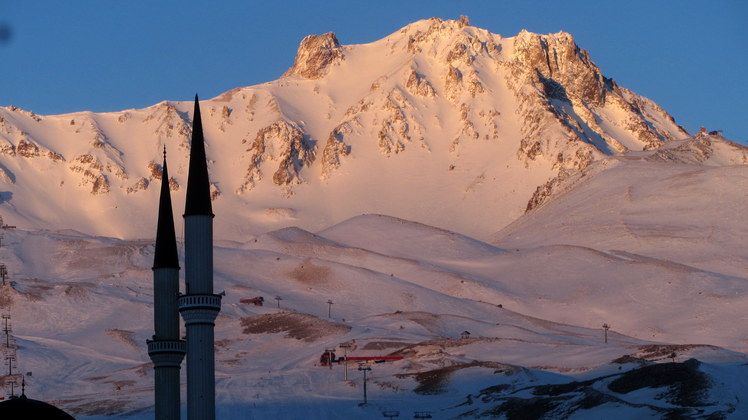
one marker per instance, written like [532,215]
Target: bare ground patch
[94,408]
[308,273]
[83,257]
[32,289]
[296,325]
[6,297]
[384,345]
[79,291]
[659,352]
[143,369]
[124,336]
[224,344]
[442,343]
[435,381]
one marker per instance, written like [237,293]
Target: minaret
[166,349]
[199,306]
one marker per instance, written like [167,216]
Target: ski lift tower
[4,227]
[3,268]
[364,369]
[345,346]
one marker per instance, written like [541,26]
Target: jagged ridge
[436,103]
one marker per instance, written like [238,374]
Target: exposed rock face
[27,149]
[468,130]
[334,149]
[225,120]
[91,170]
[169,123]
[557,58]
[639,120]
[282,142]
[452,83]
[156,171]
[418,85]
[315,56]
[559,91]
[573,89]
[55,156]
[397,129]
[6,147]
[140,185]
[697,150]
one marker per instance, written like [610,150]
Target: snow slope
[440,122]
[534,317]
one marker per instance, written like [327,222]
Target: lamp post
[329,307]
[12,383]
[3,272]
[6,329]
[364,369]
[11,358]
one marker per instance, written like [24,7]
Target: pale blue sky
[101,55]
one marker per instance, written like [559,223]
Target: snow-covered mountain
[441,180]
[441,122]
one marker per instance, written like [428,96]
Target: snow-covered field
[81,313]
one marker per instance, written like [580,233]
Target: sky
[101,55]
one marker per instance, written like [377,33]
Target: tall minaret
[166,349]
[199,306]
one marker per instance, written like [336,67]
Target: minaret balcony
[199,309]
[166,353]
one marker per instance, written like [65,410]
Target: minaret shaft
[198,254]
[201,384]
[165,408]
[199,306]
[166,350]
[165,310]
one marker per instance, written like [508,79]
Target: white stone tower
[199,306]
[166,349]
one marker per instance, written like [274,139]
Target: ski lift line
[8,345]
[4,226]
[328,358]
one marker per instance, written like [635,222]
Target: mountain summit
[440,122]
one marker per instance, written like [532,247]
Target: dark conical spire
[198,184]
[166,238]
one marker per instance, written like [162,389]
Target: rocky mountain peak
[315,56]
[370,127]
[559,61]
[448,39]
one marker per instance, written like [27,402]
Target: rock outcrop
[335,148]
[283,142]
[315,56]
[573,88]
[564,68]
